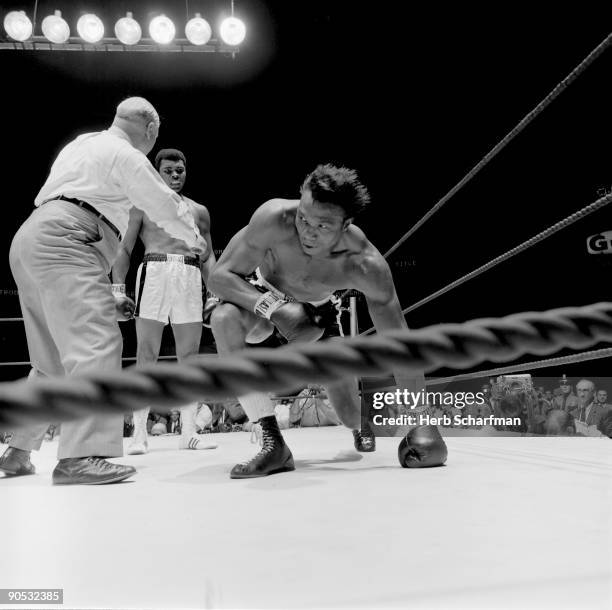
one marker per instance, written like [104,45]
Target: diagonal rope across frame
[532,241]
[559,88]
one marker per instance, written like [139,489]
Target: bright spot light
[198,30]
[18,26]
[128,30]
[90,28]
[162,30]
[232,31]
[55,28]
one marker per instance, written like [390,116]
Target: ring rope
[458,346]
[566,222]
[571,77]
[126,359]
[606,352]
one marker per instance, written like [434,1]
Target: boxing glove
[124,306]
[211,302]
[290,318]
[293,322]
[422,447]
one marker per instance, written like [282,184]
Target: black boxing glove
[422,447]
[290,318]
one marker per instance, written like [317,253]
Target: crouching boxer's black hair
[170,154]
[338,186]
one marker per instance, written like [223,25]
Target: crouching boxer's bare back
[281,271]
[168,290]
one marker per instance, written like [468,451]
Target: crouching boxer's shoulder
[365,265]
[276,214]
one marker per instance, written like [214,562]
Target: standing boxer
[61,257]
[169,289]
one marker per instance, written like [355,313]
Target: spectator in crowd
[605,424]
[174,424]
[600,409]
[541,408]
[565,400]
[585,390]
[559,423]
[158,429]
[155,419]
[589,411]
[601,398]
[486,409]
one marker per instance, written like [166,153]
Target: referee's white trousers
[60,259]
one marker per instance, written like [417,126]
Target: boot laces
[266,441]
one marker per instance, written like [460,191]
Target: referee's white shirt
[106,171]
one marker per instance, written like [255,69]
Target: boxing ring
[509,522]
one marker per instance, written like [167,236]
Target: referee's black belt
[153,257]
[89,208]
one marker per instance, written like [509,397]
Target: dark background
[411,99]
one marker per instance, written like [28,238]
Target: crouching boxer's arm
[269,225]
[244,252]
[423,446]
[372,276]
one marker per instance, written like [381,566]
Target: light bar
[56,35]
[146,45]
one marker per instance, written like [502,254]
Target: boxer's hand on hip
[124,307]
[294,323]
[201,246]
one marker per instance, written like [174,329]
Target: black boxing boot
[422,447]
[274,456]
[365,440]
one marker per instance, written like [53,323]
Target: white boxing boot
[139,444]
[189,438]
